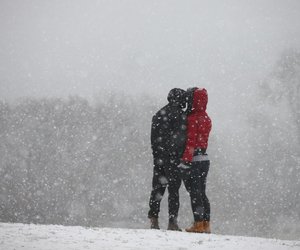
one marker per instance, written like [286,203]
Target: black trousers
[165,175]
[196,186]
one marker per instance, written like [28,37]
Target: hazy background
[124,57]
[58,48]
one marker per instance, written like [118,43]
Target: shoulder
[161,112]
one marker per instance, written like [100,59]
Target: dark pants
[196,185]
[165,175]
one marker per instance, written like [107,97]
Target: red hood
[200,99]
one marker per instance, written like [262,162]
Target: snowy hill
[42,237]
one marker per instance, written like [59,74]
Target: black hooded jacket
[168,132]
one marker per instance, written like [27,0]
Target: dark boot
[154,223]
[173,225]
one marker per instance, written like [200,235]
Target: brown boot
[173,225]
[154,223]
[206,226]
[197,227]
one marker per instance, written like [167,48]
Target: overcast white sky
[66,47]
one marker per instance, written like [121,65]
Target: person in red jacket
[195,162]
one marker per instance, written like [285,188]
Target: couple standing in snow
[179,142]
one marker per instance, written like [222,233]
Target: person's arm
[181,135]
[154,135]
[204,131]
[191,139]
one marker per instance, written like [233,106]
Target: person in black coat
[168,136]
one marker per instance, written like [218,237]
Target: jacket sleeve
[154,135]
[204,130]
[191,139]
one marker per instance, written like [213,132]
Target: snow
[49,237]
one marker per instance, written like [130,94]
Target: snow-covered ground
[53,237]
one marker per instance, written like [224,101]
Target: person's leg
[195,187]
[173,199]
[205,200]
[197,192]
[201,205]
[187,181]
[174,183]
[159,183]
[185,176]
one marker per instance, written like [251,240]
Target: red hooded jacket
[198,125]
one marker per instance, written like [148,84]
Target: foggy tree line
[260,186]
[65,161]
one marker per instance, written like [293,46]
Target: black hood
[177,96]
